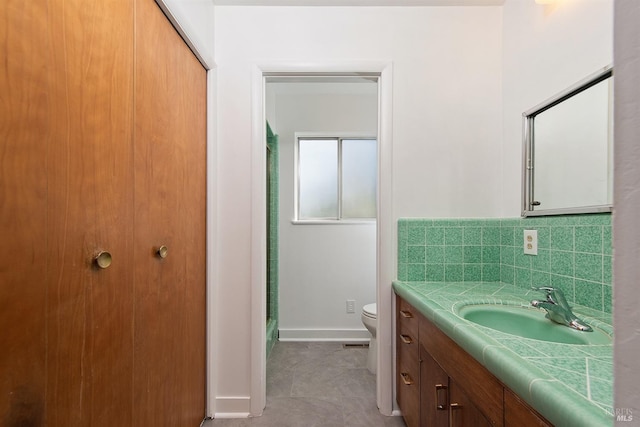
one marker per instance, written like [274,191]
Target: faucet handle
[545,289]
[553,295]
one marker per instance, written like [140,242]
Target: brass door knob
[162,251]
[103,259]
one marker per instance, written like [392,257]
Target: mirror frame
[528,118]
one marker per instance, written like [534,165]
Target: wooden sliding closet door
[66,163]
[90,169]
[102,150]
[25,107]
[170,197]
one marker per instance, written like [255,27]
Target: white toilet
[369,317]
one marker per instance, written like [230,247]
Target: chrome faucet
[558,310]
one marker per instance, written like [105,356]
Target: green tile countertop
[569,384]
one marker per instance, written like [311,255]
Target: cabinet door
[170,196]
[90,209]
[434,392]
[480,385]
[462,411]
[518,414]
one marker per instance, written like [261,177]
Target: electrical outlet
[531,242]
[351,306]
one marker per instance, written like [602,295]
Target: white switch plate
[351,306]
[531,242]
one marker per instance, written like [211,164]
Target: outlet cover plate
[531,242]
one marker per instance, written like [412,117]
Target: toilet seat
[369,310]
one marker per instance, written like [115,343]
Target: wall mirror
[568,150]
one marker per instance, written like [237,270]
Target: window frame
[339,136]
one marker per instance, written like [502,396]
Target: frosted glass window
[337,178]
[318,178]
[359,176]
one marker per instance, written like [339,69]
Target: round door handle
[162,251]
[103,259]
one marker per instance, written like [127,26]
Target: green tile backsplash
[574,253]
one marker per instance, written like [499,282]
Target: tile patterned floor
[317,385]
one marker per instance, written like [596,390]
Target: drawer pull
[406,314]
[452,408]
[439,406]
[406,379]
[406,339]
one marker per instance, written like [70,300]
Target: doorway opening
[326,130]
[384,265]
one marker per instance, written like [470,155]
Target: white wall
[546,49]
[626,206]
[446,128]
[321,266]
[459,74]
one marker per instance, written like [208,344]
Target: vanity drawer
[407,319]
[408,387]
[406,343]
[407,330]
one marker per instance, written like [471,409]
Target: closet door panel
[170,196]
[90,168]
[24,137]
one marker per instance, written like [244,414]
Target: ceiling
[358,2]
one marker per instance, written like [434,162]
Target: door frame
[386,245]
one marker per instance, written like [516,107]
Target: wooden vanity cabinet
[440,384]
[408,362]
[518,414]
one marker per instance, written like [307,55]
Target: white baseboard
[233,407]
[229,415]
[333,335]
